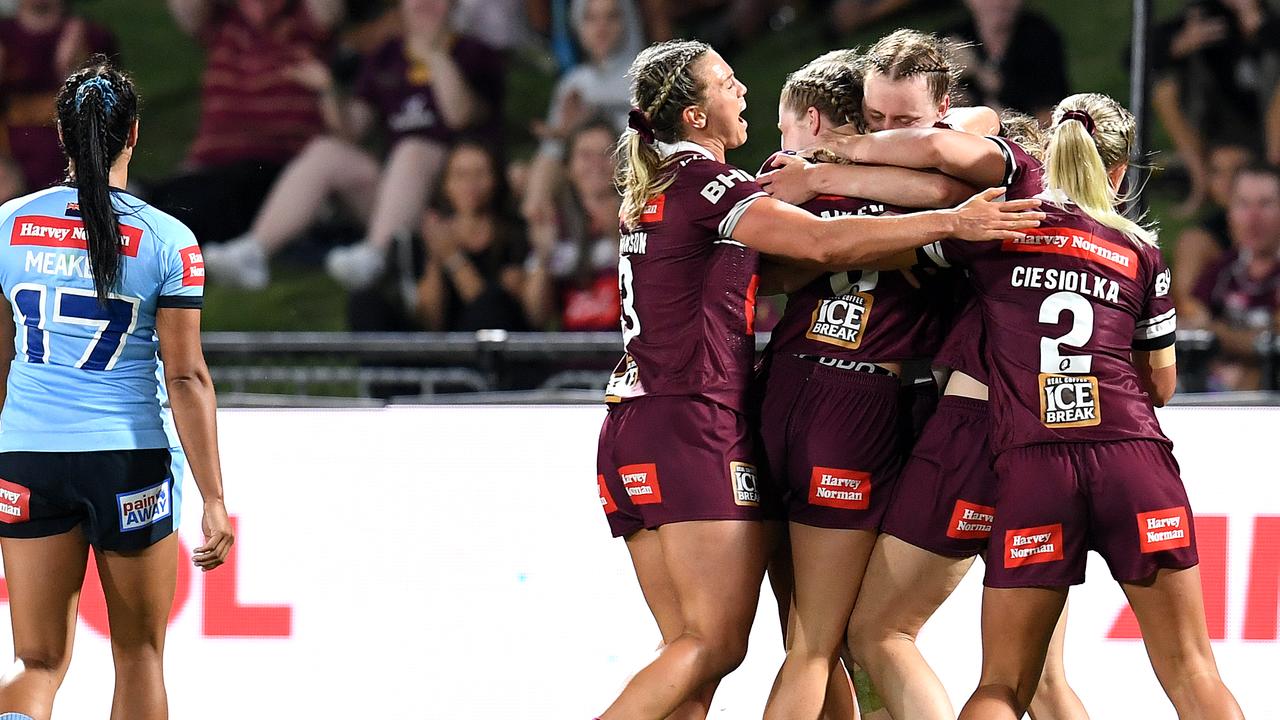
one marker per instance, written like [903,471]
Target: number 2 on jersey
[1051,358]
[113,322]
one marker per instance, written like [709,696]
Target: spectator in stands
[423,89]
[1238,297]
[1014,58]
[261,102]
[475,250]
[573,264]
[611,36]
[12,181]
[1201,245]
[39,46]
[849,16]
[1215,66]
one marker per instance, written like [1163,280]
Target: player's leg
[1017,625]
[139,587]
[1170,611]
[906,585]
[44,576]
[660,595]
[829,565]
[1054,698]
[716,568]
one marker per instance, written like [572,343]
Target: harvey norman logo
[1166,529]
[641,483]
[1028,546]
[15,502]
[1077,244]
[60,232]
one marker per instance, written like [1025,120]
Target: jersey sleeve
[722,194]
[952,253]
[182,270]
[1158,322]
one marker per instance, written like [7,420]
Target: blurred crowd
[376,133]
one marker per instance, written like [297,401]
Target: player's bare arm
[797,181]
[779,229]
[968,157]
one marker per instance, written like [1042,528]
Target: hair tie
[638,121]
[104,90]
[1080,116]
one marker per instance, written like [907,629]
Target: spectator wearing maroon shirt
[260,105]
[39,47]
[1237,298]
[573,267]
[421,90]
[1016,60]
[1202,245]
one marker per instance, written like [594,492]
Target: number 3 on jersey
[630,320]
[1051,358]
[113,323]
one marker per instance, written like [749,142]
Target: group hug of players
[833,461]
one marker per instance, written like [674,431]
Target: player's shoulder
[167,230]
[43,202]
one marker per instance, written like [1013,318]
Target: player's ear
[132,140]
[1116,175]
[815,121]
[944,107]
[694,117]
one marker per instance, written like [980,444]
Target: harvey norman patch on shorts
[145,507]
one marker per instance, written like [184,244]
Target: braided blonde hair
[1077,161]
[830,84]
[906,53]
[662,86]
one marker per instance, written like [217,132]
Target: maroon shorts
[832,442]
[944,502]
[672,459]
[1056,502]
[919,401]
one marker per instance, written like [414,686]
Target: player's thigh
[1170,611]
[904,586]
[717,567]
[43,577]
[1017,626]
[829,569]
[139,586]
[655,582]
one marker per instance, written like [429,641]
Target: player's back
[1064,308]
[688,290]
[85,374]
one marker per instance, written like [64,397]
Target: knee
[866,636]
[137,656]
[720,653]
[49,661]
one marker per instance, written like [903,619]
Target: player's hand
[982,217]
[789,180]
[218,537]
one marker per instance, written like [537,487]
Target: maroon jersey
[1064,307]
[688,290]
[1237,299]
[962,349]
[400,90]
[860,315]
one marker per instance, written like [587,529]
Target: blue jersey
[87,376]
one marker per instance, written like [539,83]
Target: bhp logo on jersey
[1068,401]
[606,500]
[192,266]
[654,209]
[15,502]
[840,320]
[838,488]
[1029,546]
[145,507]
[746,485]
[641,483]
[62,233]
[970,521]
[1166,529]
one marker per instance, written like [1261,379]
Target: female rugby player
[676,465]
[829,424]
[94,278]
[1080,331]
[908,80]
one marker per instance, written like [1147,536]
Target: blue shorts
[124,499]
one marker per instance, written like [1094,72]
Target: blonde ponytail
[641,174]
[1078,160]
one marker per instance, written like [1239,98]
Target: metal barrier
[271,368]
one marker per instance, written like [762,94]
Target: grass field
[167,64]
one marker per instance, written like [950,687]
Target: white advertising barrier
[454,563]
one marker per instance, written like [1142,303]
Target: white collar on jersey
[666,150]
